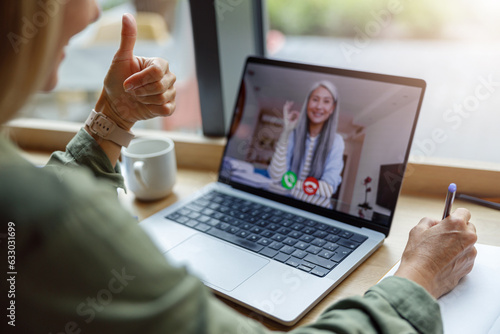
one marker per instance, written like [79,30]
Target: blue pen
[450,197]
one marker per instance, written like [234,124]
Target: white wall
[385,143]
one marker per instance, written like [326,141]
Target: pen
[450,196]
[479,201]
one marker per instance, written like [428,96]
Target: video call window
[333,141]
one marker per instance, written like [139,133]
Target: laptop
[269,235]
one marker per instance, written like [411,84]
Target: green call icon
[289,179]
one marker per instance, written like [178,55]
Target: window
[164,30]
[453,45]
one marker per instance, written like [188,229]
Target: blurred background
[454,45]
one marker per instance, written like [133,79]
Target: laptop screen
[331,141]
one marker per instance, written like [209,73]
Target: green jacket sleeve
[84,151]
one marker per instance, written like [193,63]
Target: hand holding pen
[440,253]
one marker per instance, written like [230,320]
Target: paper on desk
[474,305]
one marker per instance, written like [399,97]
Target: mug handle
[138,166]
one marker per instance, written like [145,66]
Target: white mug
[150,167]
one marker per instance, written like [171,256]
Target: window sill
[429,176]
[192,151]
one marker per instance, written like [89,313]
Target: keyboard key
[348,243]
[334,230]
[284,230]
[269,252]
[235,240]
[267,234]
[358,238]
[330,246]
[300,254]
[202,202]
[297,226]
[217,215]
[308,264]
[299,219]
[287,249]
[276,245]
[262,223]
[295,234]
[246,226]
[304,268]
[317,260]
[208,211]
[293,261]
[290,241]
[184,211]
[173,216]
[233,229]
[345,234]
[195,207]
[223,226]
[265,216]
[273,227]
[214,222]
[256,230]
[318,242]
[192,223]
[243,234]
[326,254]
[309,230]
[320,234]
[278,237]
[264,241]
[318,271]
[282,257]
[301,245]
[203,218]
[202,227]
[275,219]
[194,215]
[310,223]
[307,238]
[253,237]
[313,249]
[321,226]
[214,206]
[340,254]
[332,238]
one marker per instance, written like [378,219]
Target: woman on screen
[310,147]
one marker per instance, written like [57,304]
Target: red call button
[310,185]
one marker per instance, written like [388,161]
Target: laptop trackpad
[215,262]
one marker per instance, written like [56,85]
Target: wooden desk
[410,209]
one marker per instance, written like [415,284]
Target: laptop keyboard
[306,244]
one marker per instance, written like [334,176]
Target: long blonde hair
[29,30]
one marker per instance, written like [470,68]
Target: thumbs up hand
[136,88]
